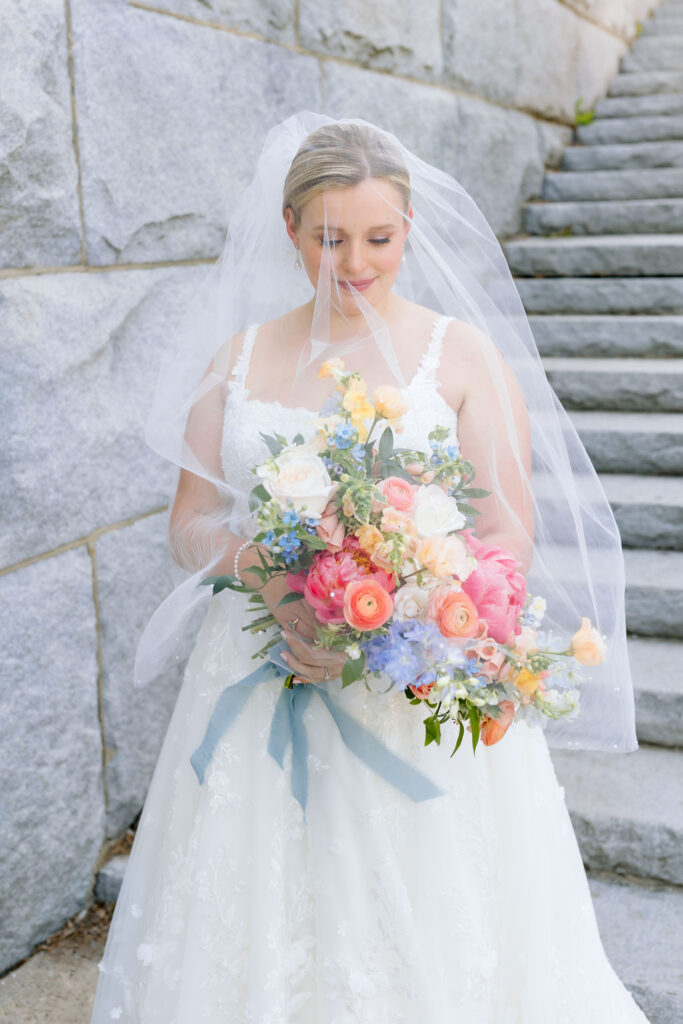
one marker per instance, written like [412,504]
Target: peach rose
[369,537]
[330,529]
[381,555]
[587,645]
[493,729]
[394,521]
[444,556]
[453,612]
[399,493]
[367,605]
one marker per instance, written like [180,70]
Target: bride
[362,903]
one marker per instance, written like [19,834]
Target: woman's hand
[306,660]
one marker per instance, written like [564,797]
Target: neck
[344,325]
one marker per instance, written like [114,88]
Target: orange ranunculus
[493,729]
[369,537]
[453,611]
[367,605]
[422,691]
[587,645]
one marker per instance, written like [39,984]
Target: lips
[358,285]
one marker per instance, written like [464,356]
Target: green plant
[582,116]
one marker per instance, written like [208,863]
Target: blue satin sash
[288,724]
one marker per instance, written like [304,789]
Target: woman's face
[365,231]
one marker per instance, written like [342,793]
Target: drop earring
[297,262]
[403,257]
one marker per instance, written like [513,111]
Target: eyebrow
[377,227]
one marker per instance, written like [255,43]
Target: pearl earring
[297,263]
[403,257]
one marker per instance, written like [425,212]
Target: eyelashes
[334,242]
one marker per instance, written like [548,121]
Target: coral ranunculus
[496,586]
[399,493]
[453,611]
[493,729]
[367,605]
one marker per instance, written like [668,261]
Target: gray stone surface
[567,186]
[497,155]
[627,156]
[648,510]
[612,336]
[618,16]
[641,931]
[632,442]
[646,82]
[38,177]
[654,53]
[636,385]
[159,164]
[110,878]
[627,809]
[273,19]
[133,576]
[76,392]
[597,256]
[605,217]
[602,294]
[394,35]
[663,26]
[657,670]
[654,593]
[51,795]
[640,106]
[535,56]
[605,130]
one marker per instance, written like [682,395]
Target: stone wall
[124,130]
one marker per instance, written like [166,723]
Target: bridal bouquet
[380,541]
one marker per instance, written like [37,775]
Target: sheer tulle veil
[453,265]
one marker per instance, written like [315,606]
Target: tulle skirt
[471,907]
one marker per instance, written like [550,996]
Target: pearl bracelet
[240,549]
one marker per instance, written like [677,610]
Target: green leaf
[288,598]
[257,495]
[386,443]
[474,722]
[352,670]
[390,468]
[459,741]
[475,492]
[274,446]
[432,730]
[464,507]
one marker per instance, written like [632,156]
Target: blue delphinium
[403,663]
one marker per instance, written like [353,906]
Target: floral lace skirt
[470,907]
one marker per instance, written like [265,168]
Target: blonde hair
[340,155]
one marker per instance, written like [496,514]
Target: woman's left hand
[308,662]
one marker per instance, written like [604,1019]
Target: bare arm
[494,434]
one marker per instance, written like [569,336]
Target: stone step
[671,25]
[648,511]
[570,186]
[646,443]
[625,216]
[654,592]
[657,671]
[640,106]
[640,930]
[634,385]
[627,809]
[644,83]
[654,53]
[596,256]
[630,129]
[623,157]
[608,336]
[601,294]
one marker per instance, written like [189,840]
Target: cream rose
[299,475]
[410,601]
[436,513]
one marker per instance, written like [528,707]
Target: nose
[354,260]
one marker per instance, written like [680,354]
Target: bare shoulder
[469,359]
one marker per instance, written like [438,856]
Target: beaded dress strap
[241,367]
[432,355]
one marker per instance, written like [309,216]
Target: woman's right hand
[273,592]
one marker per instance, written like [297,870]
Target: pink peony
[496,586]
[324,583]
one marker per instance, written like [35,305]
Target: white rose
[410,601]
[300,476]
[436,512]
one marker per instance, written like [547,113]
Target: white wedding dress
[467,908]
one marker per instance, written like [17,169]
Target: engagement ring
[292,623]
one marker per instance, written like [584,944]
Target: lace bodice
[245,417]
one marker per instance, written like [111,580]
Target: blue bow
[288,723]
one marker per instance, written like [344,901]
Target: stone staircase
[600,272]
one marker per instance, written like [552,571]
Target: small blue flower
[453,450]
[358,452]
[269,538]
[291,517]
[312,521]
